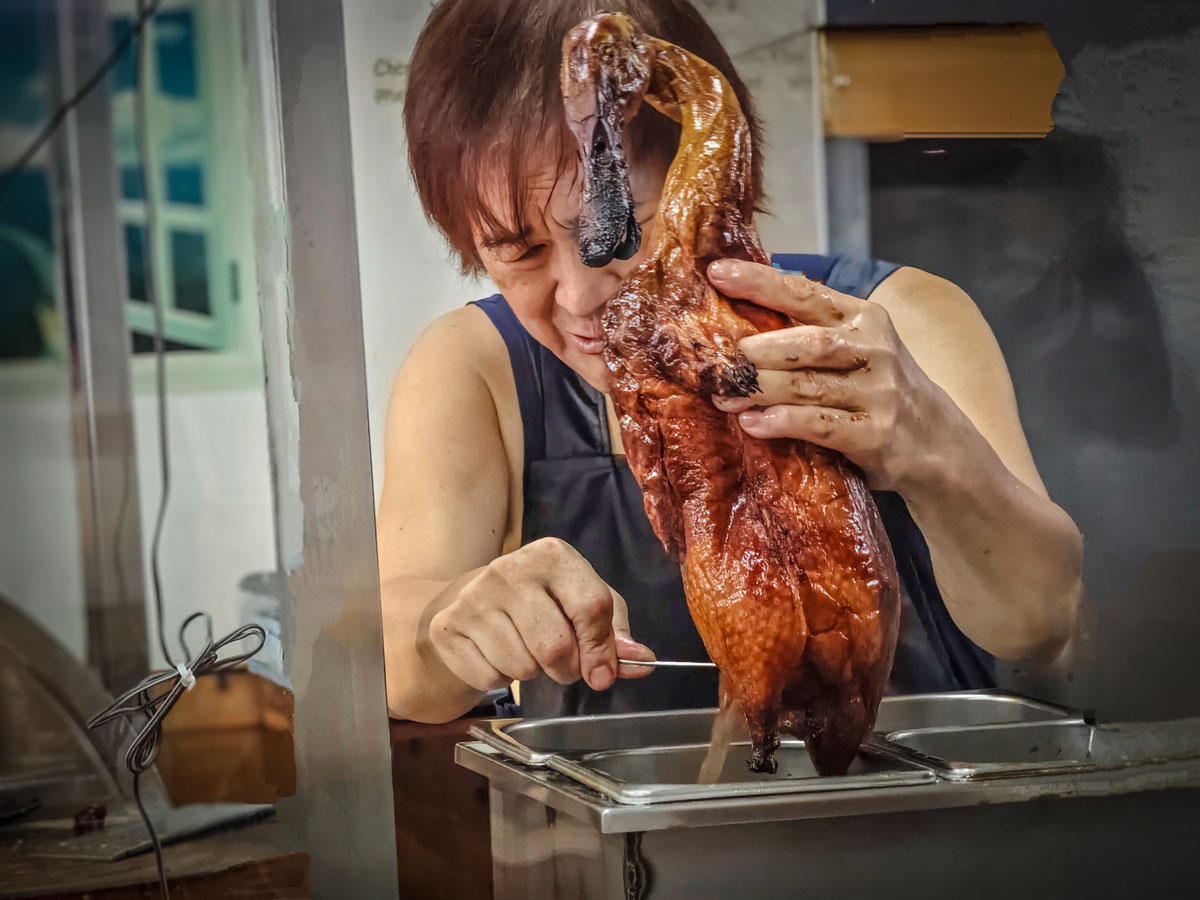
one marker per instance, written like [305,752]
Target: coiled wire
[144,700]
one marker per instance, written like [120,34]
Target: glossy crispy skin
[788,572]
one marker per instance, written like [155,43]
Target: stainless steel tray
[534,741]
[963,708]
[668,773]
[1035,748]
[655,757]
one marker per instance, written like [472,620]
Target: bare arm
[460,616]
[1008,560]
[912,387]
[442,510]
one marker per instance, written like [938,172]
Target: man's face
[536,265]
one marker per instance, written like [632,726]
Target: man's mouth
[587,344]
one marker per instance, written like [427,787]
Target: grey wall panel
[1083,251]
[342,813]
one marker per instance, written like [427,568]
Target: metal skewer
[668,662]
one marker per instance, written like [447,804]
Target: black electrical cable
[10,174]
[144,747]
[140,700]
[150,256]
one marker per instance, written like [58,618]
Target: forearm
[419,684]
[1007,559]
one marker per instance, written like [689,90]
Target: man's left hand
[841,377]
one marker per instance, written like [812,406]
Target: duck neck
[707,198]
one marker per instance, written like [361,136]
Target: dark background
[1083,251]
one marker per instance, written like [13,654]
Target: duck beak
[599,101]
[608,228]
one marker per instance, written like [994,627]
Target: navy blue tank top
[576,489]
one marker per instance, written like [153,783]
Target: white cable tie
[185,676]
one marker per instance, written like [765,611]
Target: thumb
[627,647]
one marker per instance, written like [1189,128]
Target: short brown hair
[483,92]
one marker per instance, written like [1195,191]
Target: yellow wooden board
[893,83]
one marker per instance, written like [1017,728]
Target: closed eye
[531,253]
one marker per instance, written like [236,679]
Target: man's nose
[581,290]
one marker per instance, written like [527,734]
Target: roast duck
[787,569]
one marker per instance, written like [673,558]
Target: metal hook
[687,664]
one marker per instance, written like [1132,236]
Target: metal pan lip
[504,735]
[960,770]
[575,767]
[496,733]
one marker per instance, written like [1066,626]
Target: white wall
[41,567]
[407,276]
[219,523]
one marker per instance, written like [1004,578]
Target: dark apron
[577,490]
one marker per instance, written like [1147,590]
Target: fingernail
[602,677]
[732,404]
[750,418]
[628,648]
[723,268]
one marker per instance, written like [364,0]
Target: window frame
[169,116]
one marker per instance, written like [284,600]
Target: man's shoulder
[909,291]
[945,332]
[461,354]
[468,322]
[461,338]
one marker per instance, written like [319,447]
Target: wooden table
[240,865]
[229,740]
[443,843]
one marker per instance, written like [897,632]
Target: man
[513,544]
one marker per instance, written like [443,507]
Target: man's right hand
[540,609]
